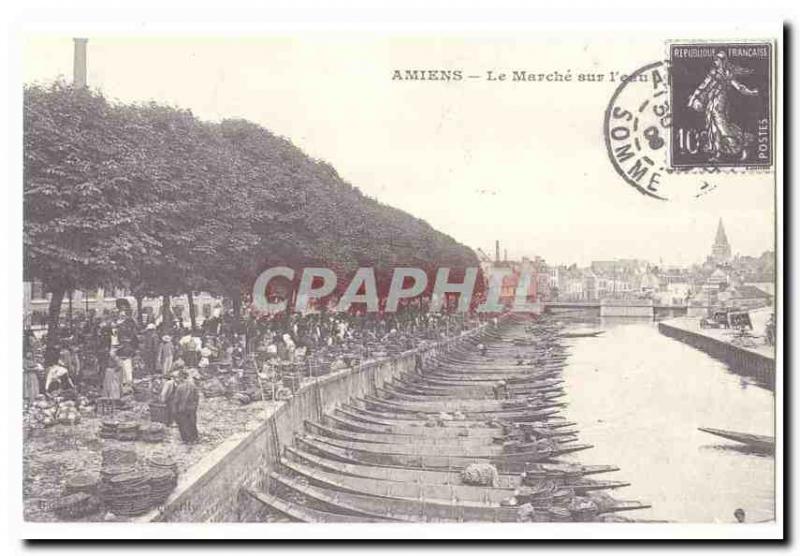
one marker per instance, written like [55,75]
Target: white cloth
[56,372]
[127,370]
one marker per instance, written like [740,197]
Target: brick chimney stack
[79,64]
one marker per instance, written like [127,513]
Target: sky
[519,162]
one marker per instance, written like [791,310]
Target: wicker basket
[158,412]
[106,406]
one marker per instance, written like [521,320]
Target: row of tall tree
[148,197]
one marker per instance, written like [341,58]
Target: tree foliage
[149,197]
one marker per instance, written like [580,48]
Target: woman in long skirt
[30,383]
[112,382]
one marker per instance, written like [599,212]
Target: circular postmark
[637,132]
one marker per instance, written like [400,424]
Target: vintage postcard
[403,279]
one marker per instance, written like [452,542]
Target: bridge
[625,308]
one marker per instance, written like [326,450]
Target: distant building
[750,297]
[721,250]
[572,284]
[535,268]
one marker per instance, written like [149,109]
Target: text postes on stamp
[721,105]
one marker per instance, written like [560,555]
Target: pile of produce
[243,398]
[46,413]
[213,388]
[479,474]
[109,406]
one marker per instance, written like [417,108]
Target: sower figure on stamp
[186,400]
[725,138]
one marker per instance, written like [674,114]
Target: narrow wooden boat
[454,392]
[477,379]
[390,394]
[483,409]
[358,453]
[382,419]
[480,381]
[540,450]
[496,367]
[341,420]
[389,488]
[305,514]
[469,404]
[758,442]
[406,474]
[503,360]
[424,510]
[445,443]
[507,481]
[581,333]
[401,413]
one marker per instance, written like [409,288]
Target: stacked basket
[125,430]
[85,483]
[153,432]
[162,461]
[108,429]
[128,494]
[128,430]
[118,456]
[76,505]
[116,462]
[162,482]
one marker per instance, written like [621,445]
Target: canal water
[639,396]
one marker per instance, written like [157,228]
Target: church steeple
[721,250]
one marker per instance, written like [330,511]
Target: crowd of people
[105,353]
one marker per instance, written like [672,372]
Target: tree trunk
[69,311]
[192,312]
[139,316]
[53,312]
[166,313]
[237,306]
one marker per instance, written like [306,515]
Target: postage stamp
[721,105]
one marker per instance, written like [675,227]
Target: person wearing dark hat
[186,399]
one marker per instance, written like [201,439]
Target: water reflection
[639,396]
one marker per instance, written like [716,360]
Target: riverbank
[750,356]
[53,455]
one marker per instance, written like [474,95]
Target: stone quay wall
[743,359]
